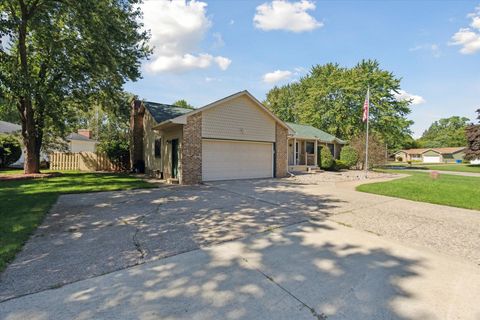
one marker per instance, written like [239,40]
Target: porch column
[315,153]
[305,151]
[295,151]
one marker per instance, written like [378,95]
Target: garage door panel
[431,159]
[224,160]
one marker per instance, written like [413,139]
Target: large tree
[65,54]
[330,97]
[473,139]
[448,132]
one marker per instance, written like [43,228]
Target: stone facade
[281,156]
[191,158]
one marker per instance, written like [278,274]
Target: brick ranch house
[431,155]
[233,138]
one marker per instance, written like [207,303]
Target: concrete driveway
[101,255]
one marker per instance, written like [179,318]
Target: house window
[310,148]
[158,148]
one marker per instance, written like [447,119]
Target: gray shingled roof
[162,112]
[8,127]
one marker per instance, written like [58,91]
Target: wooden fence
[83,161]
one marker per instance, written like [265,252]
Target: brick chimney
[137,113]
[85,132]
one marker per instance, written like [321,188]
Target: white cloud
[433,48]
[403,95]
[277,76]
[177,28]
[222,62]
[285,15]
[475,23]
[232,22]
[467,38]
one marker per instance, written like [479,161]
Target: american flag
[366,106]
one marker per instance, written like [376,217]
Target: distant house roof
[78,137]
[8,127]
[162,112]
[309,132]
[447,150]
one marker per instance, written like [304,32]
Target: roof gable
[182,118]
[307,131]
[162,112]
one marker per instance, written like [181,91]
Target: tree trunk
[30,139]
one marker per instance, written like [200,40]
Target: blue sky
[205,50]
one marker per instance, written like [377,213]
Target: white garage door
[431,159]
[224,160]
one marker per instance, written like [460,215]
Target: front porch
[304,154]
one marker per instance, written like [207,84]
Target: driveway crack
[315,314]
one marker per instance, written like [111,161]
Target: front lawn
[25,202]
[439,167]
[450,190]
[454,167]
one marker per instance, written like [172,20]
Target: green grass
[449,190]
[454,167]
[24,203]
[441,167]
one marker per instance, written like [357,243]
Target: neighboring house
[431,155]
[13,128]
[8,127]
[305,143]
[77,142]
[233,138]
[81,141]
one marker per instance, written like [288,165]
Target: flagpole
[366,142]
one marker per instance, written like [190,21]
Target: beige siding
[149,136]
[238,119]
[82,146]
[168,135]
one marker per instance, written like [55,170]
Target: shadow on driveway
[87,235]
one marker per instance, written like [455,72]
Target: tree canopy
[331,97]
[473,140]
[66,55]
[447,132]
[183,103]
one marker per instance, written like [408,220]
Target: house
[77,142]
[81,141]
[431,155]
[233,138]
[305,143]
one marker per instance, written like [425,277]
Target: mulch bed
[22,176]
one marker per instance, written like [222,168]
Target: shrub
[341,165]
[10,150]
[327,160]
[117,150]
[349,157]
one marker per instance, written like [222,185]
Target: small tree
[473,140]
[376,150]
[10,150]
[117,150]
[327,160]
[183,103]
[349,156]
